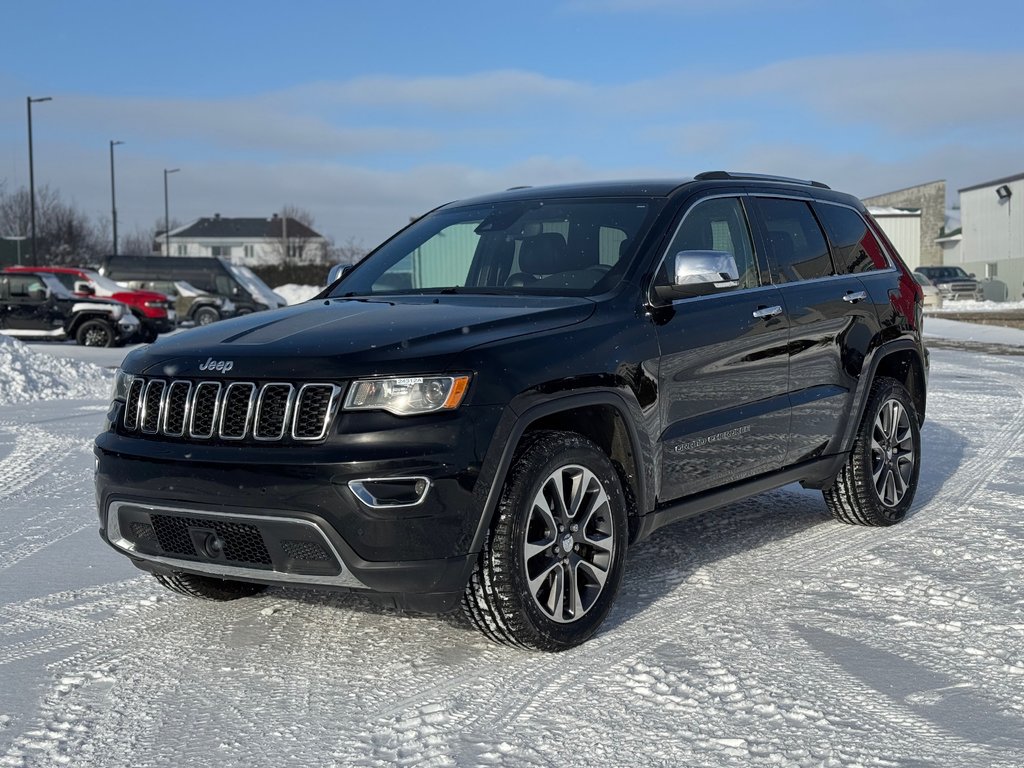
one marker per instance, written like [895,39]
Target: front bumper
[300,495]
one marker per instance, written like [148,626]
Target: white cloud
[909,93]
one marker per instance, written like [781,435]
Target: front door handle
[768,311]
[854,296]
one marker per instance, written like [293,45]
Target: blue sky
[368,113]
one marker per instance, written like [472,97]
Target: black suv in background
[491,407]
[36,305]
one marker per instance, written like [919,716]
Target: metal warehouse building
[992,216]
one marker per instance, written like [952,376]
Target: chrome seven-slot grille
[236,410]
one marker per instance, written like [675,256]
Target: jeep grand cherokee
[493,405]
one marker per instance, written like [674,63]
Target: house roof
[248,228]
[993,183]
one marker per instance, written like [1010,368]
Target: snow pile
[296,294]
[26,375]
[979,306]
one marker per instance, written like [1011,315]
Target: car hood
[138,297]
[340,338]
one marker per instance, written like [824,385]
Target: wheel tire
[876,486]
[147,335]
[206,315]
[584,565]
[95,333]
[206,587]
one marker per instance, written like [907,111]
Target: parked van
[207,273]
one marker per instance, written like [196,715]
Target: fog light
[390,492]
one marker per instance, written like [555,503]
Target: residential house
[246,241]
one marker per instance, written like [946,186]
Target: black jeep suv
[499,400]
[38,305]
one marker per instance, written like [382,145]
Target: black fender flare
[867,377]
[513,424]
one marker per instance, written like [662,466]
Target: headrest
[542,254]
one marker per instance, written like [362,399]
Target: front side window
[718,224]
[854,247]
[543,247]
[796,243]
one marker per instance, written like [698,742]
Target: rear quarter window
[854,247]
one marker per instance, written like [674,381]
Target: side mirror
[82,287]
[699,273]
[337,272]
[970,274]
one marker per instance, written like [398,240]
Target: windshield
[943,273]
[105,283]
[259,290]
[576,247]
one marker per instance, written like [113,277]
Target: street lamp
[167,213]
[31,172]
[113,197]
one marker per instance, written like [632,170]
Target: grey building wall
[931,199]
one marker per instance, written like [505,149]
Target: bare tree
[64,234]
[349,252]
[294,244]
[141,242]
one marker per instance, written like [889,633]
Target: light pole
[31,172]
[113,196]
[167,213]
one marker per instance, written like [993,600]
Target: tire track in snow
[788,557]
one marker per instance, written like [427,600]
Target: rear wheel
[877,484]
[554,559]
[95,333]
[207,588]
[206,315]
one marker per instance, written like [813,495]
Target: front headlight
[122,381]
[408,395]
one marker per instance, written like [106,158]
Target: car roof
[663,188]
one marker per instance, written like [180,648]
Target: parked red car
[154,310]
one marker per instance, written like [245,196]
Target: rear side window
[854,247]
[795,241]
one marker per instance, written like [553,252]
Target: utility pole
[113,196]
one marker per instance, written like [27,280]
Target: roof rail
[521,186]
[720,175]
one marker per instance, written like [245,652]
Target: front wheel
[95,333]
[876,486]
[552,564]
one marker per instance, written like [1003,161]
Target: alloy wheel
[568,543]
[892,453]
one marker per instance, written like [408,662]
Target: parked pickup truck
[953,282]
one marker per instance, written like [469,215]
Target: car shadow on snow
[677,553]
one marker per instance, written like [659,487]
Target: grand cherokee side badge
[220,366]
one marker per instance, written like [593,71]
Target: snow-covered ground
[763,634]
[979,306]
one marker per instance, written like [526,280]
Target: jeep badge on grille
[221,366]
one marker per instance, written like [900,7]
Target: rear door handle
[854,296]
[768,311]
